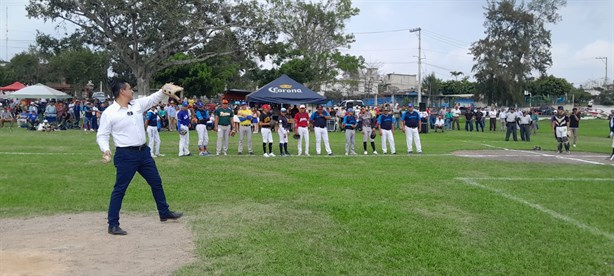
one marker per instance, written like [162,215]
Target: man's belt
[135,148]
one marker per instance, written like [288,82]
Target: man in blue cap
[183,127]
[349,124]
[385,123]
[202,117]
[319,119]
[412,128]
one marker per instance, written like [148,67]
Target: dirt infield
[78,244]
[537,156]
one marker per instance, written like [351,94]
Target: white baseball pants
[412,136]
[322,134]
[184,142]
[304,133]
[203,136]
[387,135]
[154,140]
[267,135]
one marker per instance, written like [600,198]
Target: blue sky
[448,29]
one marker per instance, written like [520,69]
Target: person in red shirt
[301,127]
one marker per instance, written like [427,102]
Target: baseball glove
[373,135]
[183,132]
[296,136]
[171,90]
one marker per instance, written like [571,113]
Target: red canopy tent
[13,86]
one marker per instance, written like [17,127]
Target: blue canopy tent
[285,90]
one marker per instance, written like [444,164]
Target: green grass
[396,215]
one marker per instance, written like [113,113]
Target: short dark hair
[116,86]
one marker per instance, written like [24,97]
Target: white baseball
[106,159]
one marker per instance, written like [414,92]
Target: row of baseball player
[228,123]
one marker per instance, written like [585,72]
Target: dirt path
[78,244]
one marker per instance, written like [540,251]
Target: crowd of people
[227,121]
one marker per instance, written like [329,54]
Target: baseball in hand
[106,157]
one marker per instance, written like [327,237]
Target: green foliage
[549,85]
[463,86]
[314,31]
[79,66]
[431,84]
[517,43]
[6,75]
[606,97]
[25,67]
[144,35]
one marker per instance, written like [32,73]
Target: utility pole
[605,80]
[419,62]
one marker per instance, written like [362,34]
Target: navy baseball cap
[243,103]
[561,107]
[410,105]
[184,103]
[199,104]
[350,109]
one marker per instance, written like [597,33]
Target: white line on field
[42,153]
[543,209]
[537,179]
[551,155]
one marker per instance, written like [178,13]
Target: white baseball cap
[302,106]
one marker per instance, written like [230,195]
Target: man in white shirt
[439,123]
[502,118]
[525,126]
[124,121]
[456,117]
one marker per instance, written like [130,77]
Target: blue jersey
[349,122]
[202,116]
[183,118]
[152,119]
[386,121]
[319,120]
[411,119]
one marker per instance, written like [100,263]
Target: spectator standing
[574,124]
[456,117]
[469,119]
[612,134]
[492,116]
[340,115]
[412,128]
[318,119]
[171,112]
[301,127]
[510,121]
[479,120]
[385,124]
[525,127]
[534,121]
[349,124]
[448,116]
[503,119]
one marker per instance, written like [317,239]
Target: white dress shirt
[525,120]
[125,124]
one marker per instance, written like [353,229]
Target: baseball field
[472,203]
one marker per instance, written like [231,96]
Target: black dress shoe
[115,230]
[171,215]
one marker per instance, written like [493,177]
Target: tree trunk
[142,83]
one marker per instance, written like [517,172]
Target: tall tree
[145,34]
[314,31]
[79,66]
[517,43]
[26,68]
